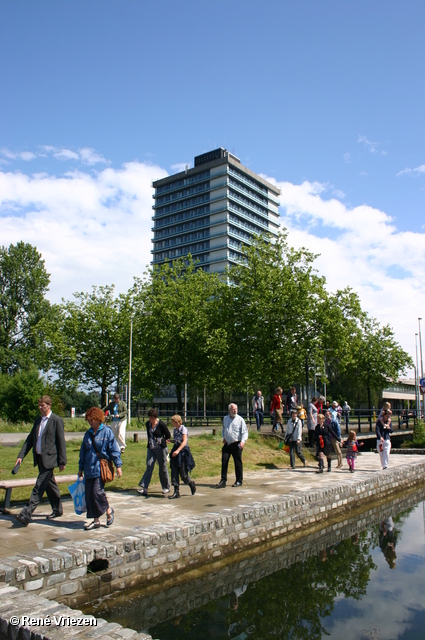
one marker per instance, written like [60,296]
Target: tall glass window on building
[212,211]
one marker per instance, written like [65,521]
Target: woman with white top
[293,438]
[312,421]
[181,460]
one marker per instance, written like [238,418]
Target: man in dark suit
[47,440]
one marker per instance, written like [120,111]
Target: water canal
[360,579]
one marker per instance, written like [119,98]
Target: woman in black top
[158,435]
[323,443]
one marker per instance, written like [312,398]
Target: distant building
[212,211]
[401,393]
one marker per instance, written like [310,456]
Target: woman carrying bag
[98,443]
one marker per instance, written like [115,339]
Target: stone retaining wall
[82,572]
[409,451]
[160,603]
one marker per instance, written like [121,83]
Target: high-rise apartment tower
[212,211]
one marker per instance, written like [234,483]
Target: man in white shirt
[235,434]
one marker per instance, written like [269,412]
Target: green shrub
[419,433]
[19,395]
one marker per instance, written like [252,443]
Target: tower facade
[212,211]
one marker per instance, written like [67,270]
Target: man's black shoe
[55,514]
[237,484]
[221,484]
[21,519]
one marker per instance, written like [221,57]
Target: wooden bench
[8,485]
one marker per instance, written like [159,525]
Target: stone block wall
[164,602]
[78,573]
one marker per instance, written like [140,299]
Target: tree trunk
[369,401]
[103,393]
[179,398]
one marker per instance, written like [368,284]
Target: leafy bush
[19,395]
[419,433]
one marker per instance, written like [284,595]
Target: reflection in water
[341,582]
[388,540]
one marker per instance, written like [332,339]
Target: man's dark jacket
[53,446]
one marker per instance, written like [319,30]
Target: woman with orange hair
[98,442]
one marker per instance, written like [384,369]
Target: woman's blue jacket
[107,447]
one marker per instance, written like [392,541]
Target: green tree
[272,314]
[379,358]
[178,337]
[361,356]
[23,285]
[19,394]
[79,400]
[89,339]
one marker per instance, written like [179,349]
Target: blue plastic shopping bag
[78,493]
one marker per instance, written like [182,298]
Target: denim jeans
[259,418]
[152,456]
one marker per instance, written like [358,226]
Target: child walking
[352,446]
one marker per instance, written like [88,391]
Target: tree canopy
[269,320]
[24,283]
[89,339]
[178,337]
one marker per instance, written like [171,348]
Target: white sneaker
[165,491]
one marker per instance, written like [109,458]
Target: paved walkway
[132,510]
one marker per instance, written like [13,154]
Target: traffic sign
[422,389]
[422,382]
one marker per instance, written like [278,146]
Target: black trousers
[96,501]
[45,483]
[235,451]
[177,471]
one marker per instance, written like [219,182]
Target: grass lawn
[259,453]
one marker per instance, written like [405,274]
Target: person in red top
[276,410]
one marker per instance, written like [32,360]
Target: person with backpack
[293,438]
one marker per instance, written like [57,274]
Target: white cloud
[17,155]
[89,156]
[94,227]
[90,228]
[362,248]
[372,147]
[417,170]
[65,154]
[179,166]
[86,155]
[347,157]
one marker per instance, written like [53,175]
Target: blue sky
[326,98]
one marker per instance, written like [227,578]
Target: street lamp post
[422,362]
[417,390]
[129,372]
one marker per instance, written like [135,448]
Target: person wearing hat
[293,438]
